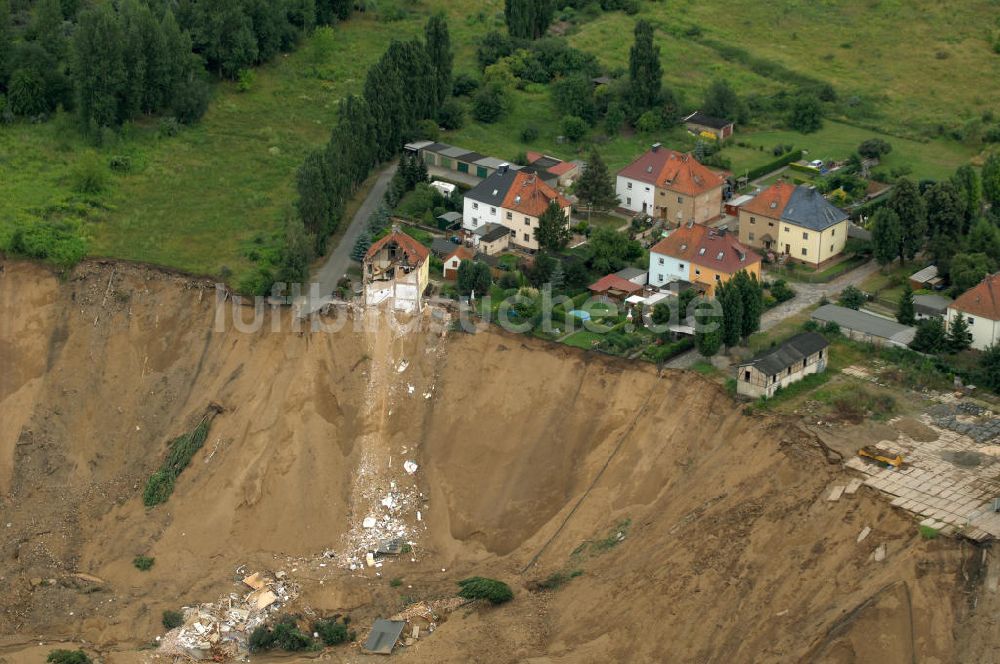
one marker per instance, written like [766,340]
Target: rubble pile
[221,631]
[424,617]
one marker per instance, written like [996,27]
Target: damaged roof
[414,253]
[382,639]
[788,354]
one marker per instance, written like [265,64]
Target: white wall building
[980,307]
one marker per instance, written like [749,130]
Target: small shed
[633,274]
[800,356]
[491,239]
[449,220]
[698,123]
[382,639]
[865,326]
[613,287]
[454,259]
[926,278]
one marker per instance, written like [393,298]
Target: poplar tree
[5,39]
[751,295]
[728,296]
[887,236]
[970,194]
[645,72]
[944,221]
[437,41]
[98,68]
[48,27]
[909,206]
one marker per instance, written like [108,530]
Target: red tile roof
[772,201]
[982,299]
[529,195]
[614,282]
[707,247]
[562,168]
[414,252]
[682,173]
[463,253]
[531,156]
[672,170]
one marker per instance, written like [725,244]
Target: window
[680,265]
[527,222]
[805,236]
[527,238]
[697,272]
[647,188]
[804,251]
[753,220]
[493,210]
[971,320]
[770,224]
[659,261]
[746,376]
[831,248]
[628,201]
[750,237]
[833,232]
[680,199]
[628,186]
[786,229]
[513,233]
[717,278]
[510,215]
[821,354]
[475,206]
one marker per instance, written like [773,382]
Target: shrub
[529,134]
[478,587]
[172,619]
[285,635]
[852,297]
[168,127]
[928,533]
[464,84]
[396,582]
[331,632]
[649,122]
[244,80]
[261,639]
[451,114]
[183,448]
[68,657]
[831,328]
[89,177]
[121,164]
[781,291]
[143,563]
[191,100]
[574,128]
[56,242]
[159,486]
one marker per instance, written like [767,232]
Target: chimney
[656,147]
[503,168]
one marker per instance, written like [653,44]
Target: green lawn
[583,339]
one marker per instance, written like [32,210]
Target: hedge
[783,160]
[795,166]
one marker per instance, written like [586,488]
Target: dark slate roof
[789,353]
[442,246]
[808,208]
[471,157]
[492,232]
[493,189]
[707,120]
[930,305]
[436,147]
[384,635]
[629,273]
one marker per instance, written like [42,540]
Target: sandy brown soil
[530,456]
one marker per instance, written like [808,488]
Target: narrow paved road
[339,259]
[806,295]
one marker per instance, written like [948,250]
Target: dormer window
[701,252]
[719,256]
[684,247]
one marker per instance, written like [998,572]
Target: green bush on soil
[478,587]
[172,619]
[285,635]
[182,449]
[330,631]
[68,657]
[143,563]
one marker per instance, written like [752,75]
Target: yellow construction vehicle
[881,456]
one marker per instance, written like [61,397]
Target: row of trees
[742,303]
[115,61]
[957,221]
[408,84]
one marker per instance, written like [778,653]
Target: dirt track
[731,552]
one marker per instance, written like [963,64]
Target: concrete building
[670,185]
[864,326]
[396,268]
[701,255]
[795,221]
[779,367]
[980,306]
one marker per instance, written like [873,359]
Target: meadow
[212,199]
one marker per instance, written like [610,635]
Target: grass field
[215,195]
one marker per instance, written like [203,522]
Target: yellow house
[795,221]
[396,268]
[700,255]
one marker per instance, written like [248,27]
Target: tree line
[956,221]
[407,85]
[112,62]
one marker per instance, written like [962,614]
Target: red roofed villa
[670,185]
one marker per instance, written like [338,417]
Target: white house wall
[634,198]
[671,269]
[984,331]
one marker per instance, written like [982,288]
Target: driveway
[339,260]
[806,295]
